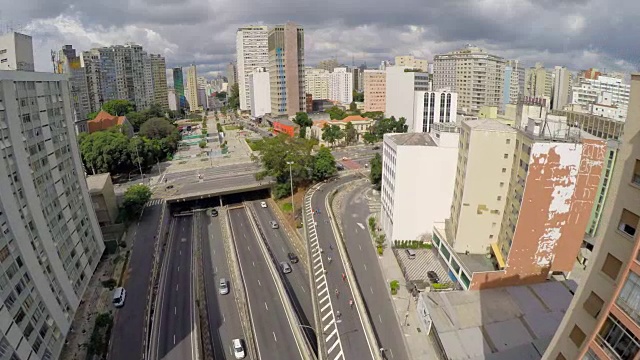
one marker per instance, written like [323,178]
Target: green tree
[302,119]
[350,133]
[376,171]
[136,119]
[221,95]
[234,97]
[324,165]
[105,151]
[332,134]
[156,128]
[274,153]
[353,106]
[202,144]
[118,107]
[358,96]
[91,116]
[369,138]
[135,197]
[376,115]
[336,113]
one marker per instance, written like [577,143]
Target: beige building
[538,82]
[317,83]
[103,198]
[360,124]
[375,90]
[603,321]
[521,202]
[159,75]
[286,69]
[191,90]
[477,77]
[412,63]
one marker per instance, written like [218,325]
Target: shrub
[395,286]
[380,250]
[109,284]
[372,224]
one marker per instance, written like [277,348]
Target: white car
[263,204]
[238,348]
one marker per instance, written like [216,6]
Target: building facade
[50,243]
[475,75]
[602,321]
[192,88]
[16,52]
[401,86]
[538,82]
[232,73]
[159,76]
[103,198]
[341,86]
[417,168]
[375,90]
[412,63]
[433,107]
[317,83]
[260,93]
[252,51]
[513,82]
[561,88]
[69,63]
[286,69]
[178,82]
[587,90]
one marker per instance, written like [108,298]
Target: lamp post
[293,210]
[139,163]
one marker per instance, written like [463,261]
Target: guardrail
[272,263]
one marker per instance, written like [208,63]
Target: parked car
[224,286]
[285,267]
[263,204]
[293,257]
[238,348]
[119,294]
[433,277]
[214,212]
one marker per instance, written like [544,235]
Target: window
[629,298]
[501,184]
[560,357]
[628,222]
[616,341]
[636,173]
[611,266]
[506,156]
[590,355]
[499,198]
[508,141]
[593,305]
[577,336]
[504,170]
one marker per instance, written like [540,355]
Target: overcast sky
[575,33]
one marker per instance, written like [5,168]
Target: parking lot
[416,269]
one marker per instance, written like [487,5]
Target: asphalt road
[351,337]
[219,184]
[296,282]
[128,328]
[176,320]
[364,261]
[273,333]
[191,176]
[224,321]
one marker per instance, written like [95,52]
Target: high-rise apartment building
[602,321]
[69,63]
[561,87]
[328,64]
[252,52]
[412,63]
[401,85]
[16,52]
[178,85]
[317,83]
[513,82]
[433,107]
[538,82]
[100,69]
[358,79]
[521,202]
[192,88]
[477,77]
[341,85]
[132,75]
[51,242]
[286,69]
[586,91]
[159,76]
[232,73]
[375,90]
[260,93]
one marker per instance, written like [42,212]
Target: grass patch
[253,144]
[286,207]
[232,127]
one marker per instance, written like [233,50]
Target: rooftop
[411,139]
[96,183]
[505,323]
[104,120]
[489,125]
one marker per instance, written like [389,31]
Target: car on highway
[285,267]
[433,277]
[119,295]
[263,204]
[238,348]
[293,257]
[274,225]
[223,287]
[214,212]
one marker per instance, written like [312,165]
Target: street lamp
[293,210]
[139,163]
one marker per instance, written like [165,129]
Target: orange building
[104,121]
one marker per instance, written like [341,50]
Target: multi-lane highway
[342,324]
[222,310]
[221,183]
[297,282]
[175,323]
[128,329]
[194,176]
[364,261]
[273,331]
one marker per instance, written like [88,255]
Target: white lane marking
[265,305]
[334,332]
[365,267]
[329,324]
[360,225]
[175,310]
[321,285]
[340,355]
[259,284]
[333,347]
[174,339]
[303,290]
[326,316]
[216,269]
[324,299]
[325,290]
[177,287]
[223,319]
[254,263]
[317,266]
[325,307]
[178,267]
[360,247]
[370,288]
[380,317]
[274,336]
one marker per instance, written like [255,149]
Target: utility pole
[293,210]
[139,163]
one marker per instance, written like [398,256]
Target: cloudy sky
[575,33]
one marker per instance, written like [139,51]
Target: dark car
[214,212]
[293,257]
[433,277]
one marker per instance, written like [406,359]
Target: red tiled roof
[103,121]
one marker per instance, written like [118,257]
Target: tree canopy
[302,120]
[358,96]
[118,107]
[157,128]
[332,133]
[324,165]
[336,113]
[350,133]
[135,197]
[376,171]
[233,100]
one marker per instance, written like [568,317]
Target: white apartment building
[16,52]
[341,85]
[514,74]
[50,242]
[375,90]
[191,90]
[172,99]
[561,87]
[586,92]
[418,178]
[260,92]
[149,95]
[433,107]
[401,86]
[477,77]
[412,63]
[159,74]
[317,83]
[252,51]
[604,107]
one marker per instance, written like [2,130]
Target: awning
[498,254]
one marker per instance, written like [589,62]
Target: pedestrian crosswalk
[153,202]
[328,319]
